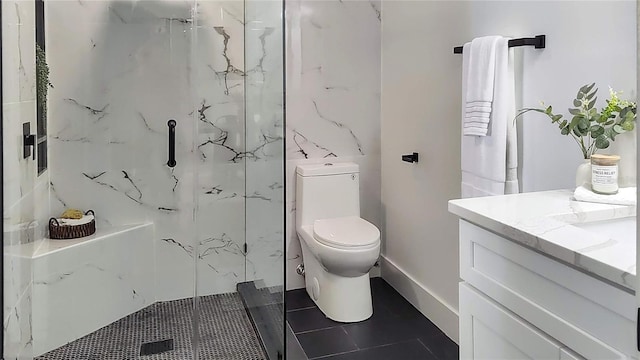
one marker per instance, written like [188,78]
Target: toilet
[338,246]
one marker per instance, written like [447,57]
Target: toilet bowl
[338,247]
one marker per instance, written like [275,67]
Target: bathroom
[198,252]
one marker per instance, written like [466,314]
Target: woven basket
[57,231]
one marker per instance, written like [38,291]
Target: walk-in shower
[166,119]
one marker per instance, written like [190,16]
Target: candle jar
[604,174]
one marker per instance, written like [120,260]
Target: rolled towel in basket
[85,219]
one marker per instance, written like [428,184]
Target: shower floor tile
[396,330]
[225,333]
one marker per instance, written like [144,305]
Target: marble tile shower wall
[120,71]
[333,100]
[25,193]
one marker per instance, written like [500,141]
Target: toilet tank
[327,190]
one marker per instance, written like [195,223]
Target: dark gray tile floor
[225,333]
[396,330]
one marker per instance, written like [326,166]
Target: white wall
[421,111]
[602,50]
[333,100]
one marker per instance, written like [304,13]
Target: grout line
[349,337]
[374,347]
[334,354]
[428,349]
[310,331]
[298,309]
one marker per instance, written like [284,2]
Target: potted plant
[42,75]
[590,128]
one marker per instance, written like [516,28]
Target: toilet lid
[351,231]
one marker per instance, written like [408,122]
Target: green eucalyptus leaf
[588,88]
[596,130]
[610,122]
[565,131]
[574,122]
[627,125]
[618,129]
[555,118]
[590,96]
[577,102]
[583,123]
[577,132]
[602,142]
[575,111]
[610,134]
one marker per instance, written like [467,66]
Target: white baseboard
[430,305]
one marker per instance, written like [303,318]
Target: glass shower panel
[119,71]
[25,198]
[264,64]
[220,149]
[219,83]
[265,142]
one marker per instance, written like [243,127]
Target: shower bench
[82,285]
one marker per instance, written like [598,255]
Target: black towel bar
[539,42]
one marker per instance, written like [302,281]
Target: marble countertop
[545,222]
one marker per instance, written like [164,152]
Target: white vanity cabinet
[489,331]
[516,303]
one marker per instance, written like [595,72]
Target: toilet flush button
[315,289]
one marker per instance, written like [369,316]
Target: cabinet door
[489,331]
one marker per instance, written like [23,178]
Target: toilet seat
[346,232]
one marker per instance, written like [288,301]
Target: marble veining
[549,222]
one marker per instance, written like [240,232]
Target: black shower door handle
[172,143]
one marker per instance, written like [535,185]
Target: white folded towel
[85,219]
[480,109]
[480,81]
[490,163]
[625,196]
[478,121]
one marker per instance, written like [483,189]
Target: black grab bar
[172,143]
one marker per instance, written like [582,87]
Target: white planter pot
[583,174]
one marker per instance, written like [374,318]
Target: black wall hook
[411,158]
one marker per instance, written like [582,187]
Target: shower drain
[156,347]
